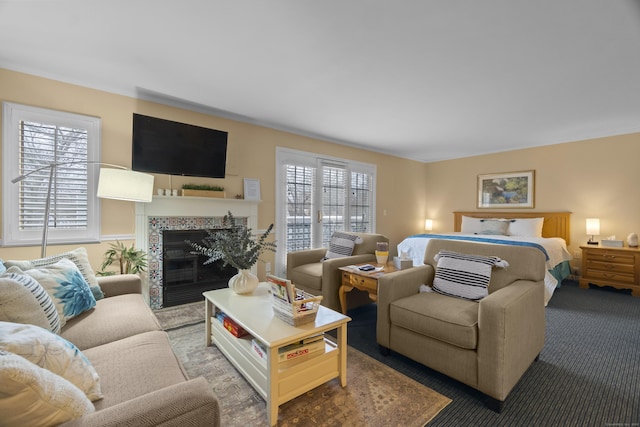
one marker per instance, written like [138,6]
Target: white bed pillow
[526,227]
[470,225]
[495,226]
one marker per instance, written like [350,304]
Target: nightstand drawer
[610,257]
[610,275]
[610,266]
[615,267]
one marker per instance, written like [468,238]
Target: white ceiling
[422,79]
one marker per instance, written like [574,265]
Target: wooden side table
[615,267]
[366,281]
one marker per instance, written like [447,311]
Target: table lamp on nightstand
[593,229]
[428,224]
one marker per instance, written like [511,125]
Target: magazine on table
[281,288]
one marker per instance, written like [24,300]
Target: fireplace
[186,276]
[169,213]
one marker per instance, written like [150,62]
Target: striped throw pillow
[341,245]
[78,256]
[463,275]
[47,306]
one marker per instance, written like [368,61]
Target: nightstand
[615,267]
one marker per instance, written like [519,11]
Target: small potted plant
[130,259]
[235,245]
[203,190]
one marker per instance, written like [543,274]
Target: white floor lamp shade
[121,184]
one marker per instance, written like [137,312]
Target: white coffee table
[276,382]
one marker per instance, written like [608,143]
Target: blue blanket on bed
[484,240]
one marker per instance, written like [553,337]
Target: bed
[547,231]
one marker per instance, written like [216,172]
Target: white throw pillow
[463,275]
[78,256]
[23,300]
[51,352]
[31,395]
[526,227]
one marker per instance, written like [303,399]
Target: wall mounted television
[173,148]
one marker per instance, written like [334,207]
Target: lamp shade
[127,185]
[593,226]
[428,224]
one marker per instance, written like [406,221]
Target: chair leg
[494,404]
[384,350]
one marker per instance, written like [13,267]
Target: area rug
[181,315]
[375,394]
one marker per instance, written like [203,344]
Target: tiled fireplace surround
[181,213]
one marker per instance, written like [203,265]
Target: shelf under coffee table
[277,382]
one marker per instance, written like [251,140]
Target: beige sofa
[307,272]
[487,345]
[143,382]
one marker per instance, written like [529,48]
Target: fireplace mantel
[169,213]
[194,206]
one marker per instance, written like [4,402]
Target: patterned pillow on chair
[341,245]
[464,276]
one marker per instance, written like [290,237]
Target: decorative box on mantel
[204,193]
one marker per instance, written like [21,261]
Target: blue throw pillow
[79,257]
[66,287]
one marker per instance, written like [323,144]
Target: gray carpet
[588,373]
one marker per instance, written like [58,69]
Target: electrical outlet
[577,254]
[267,267]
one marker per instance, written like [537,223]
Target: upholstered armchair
[308,272]
[486,344]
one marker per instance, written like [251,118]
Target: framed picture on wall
[251,189]
[506,190]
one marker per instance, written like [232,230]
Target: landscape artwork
[506,190]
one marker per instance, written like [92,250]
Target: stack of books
[301,348]
[310,345]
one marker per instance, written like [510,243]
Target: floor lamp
[119,183]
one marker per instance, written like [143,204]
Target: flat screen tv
[172,148]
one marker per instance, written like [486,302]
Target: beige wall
[251,154]
[593,178]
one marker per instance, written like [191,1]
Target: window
[317,196]
[35,138]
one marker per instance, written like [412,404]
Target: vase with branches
[235,244]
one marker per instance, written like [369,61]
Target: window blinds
[42,144]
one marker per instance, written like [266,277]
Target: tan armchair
[307,272]
[487,345]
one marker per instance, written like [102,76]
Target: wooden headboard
[556,224]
